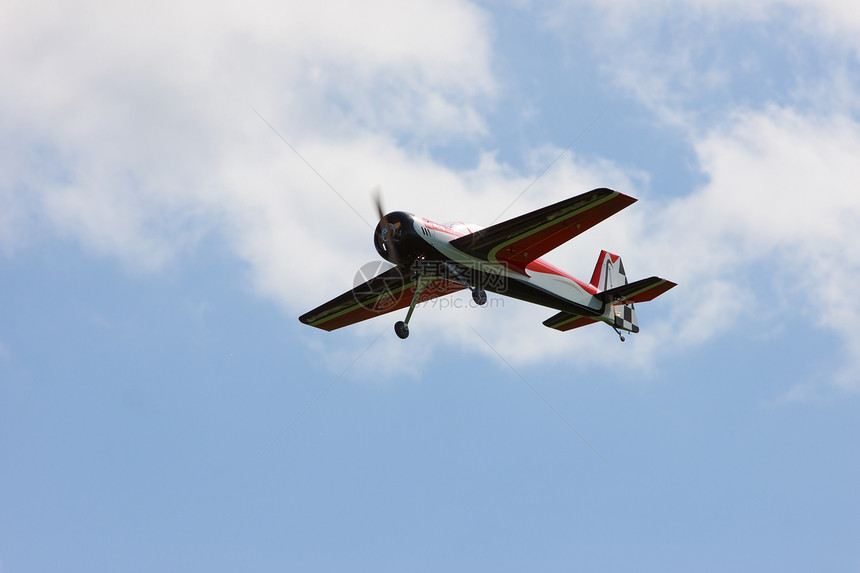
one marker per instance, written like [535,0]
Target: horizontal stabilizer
[565,321]
[639,291]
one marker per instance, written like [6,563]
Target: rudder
[609,272]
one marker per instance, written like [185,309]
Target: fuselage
[421,241]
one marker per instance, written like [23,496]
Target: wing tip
[618,194]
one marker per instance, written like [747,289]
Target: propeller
[386,231]
[376,193]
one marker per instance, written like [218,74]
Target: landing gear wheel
[479,296]
[401,328]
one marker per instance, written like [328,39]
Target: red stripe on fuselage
[541,266]
[441,228]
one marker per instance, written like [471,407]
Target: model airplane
[433,260]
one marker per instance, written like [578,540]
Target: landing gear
[479,296]
[618,332]
[401,328]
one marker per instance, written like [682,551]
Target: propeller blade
[390,245]
[376,193]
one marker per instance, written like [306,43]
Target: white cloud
[130,128]
[786,185]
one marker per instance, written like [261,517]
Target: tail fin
[608,273]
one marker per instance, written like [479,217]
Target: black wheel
[401,328]
[479,296]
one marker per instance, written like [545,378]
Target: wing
[384,293]
[520,240]
[639,291]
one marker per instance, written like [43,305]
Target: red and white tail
[608,273]
[618,295]
[612,286]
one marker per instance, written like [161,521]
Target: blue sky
[158,241]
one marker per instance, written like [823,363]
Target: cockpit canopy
[464,228]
